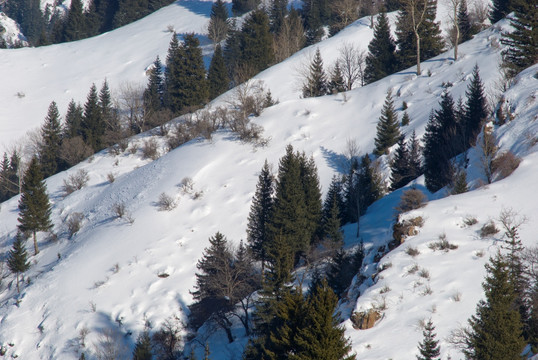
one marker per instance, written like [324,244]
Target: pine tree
[154,92]
[496,329]
[388,129]
[337,83]
[73,120]
[108,113]
[460,183]
[260,215]
[219,10]
[405,119]
[464,23]
[17,258]
[92,125]
[415,156]
[381,58]
[475,111]
[278,12]
[370,187]
[51,136]
[75,25]
[429,347]
[256,42]
[218,22]
[242,6]
[217,76]
[34,205]
[400,168]
[316,81]
[342,268]
[499,9]
[321,337]
[312,14]
[522,43]
[351,198]
[334,196]
[142,350]
[312,191]
[172,73]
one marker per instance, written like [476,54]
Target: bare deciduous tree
[217,30]
[489,151]
[417,11]
[454,6]
[351,61]
[290,39]
[346,11]
[130,102]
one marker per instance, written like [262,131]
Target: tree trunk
[456,25]
[36,249]
[229,334]
[417,36]
[18,289]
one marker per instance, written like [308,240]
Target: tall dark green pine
[316,82]
[219,10]
[92,125]
[172,74]
[278,12]
[337,83]
[256,42]
[496,329]
[499,9]
[34,204]
[73,120]
[464,23]
[218,22]
[142,350]
[321,336]
[400,173]
[17,258]
[289,221]
[431,43]
[351,198]
[381,58]
[51,136]
[334,195]
[388,127]
[312,14]
[475,111]
[28,14]
[342,268]
[312,191]
[217,76]
[369,184]
[109,116]
[75,23]
[260,215]
[522,43]
[331,225]
[415,156]
[429,347]
[242,6]
[154,92]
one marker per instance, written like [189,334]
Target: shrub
[166,202]
[111,177]
[186,185]
[505,164]
[74,150]
[410,200]
[75,181]
[470,220]
[424,273]
[488,229]
[74,223]
[119,209]
[150,149]
[443,244]
[413,269]
[412,251]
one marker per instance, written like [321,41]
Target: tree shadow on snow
[199,7]
[337,162]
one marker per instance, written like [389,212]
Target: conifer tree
[256,42]
[312,191]
[73,120]
[342,268]
[312,13]
[218,22]
[405,119]
[17,258]
[92,125]
[217,76]
[351,198]
[464,23]
[260,215]
[51,136]
[278,11]
[475,111]
[331,225]
[34,205]
[522,43]
[316,81]
[429,347]
[460,183]
[415,156]
[334,196]
[388,129]
[154,92]
[381,58]
[242,6]
[499,9]
[142,350]
[496,329]
[172,73]
[337,83]
[219,10]
[400,168]
[370,187]
[75,24]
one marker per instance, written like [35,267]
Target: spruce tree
[381,58]
[278,11]
[17,258]
[312,14]
[312,195]
[154,92]
[219,10]
[522,43]
[256,42]
[92,125]
[337,83]
[217,76]
[34,205]
[172,74]
[400,168]
[316,81]
[405,119]
[342,269]
[429,347]
[388,129]
[351,198]
[260,215]
[499,9]
[218,22]
[464,23]
[370,187]
[475,111]
[415,156]
[242,6]
[75,23]
[460,183]
[496,329]
[142,350]
[73,120]
[51,136]
[334,196]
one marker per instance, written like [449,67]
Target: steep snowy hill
[117,273]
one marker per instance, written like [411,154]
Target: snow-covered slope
[10,31]
[118,273]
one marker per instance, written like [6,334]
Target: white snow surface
[107,275]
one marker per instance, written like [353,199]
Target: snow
[107,275]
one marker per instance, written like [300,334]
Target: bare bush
[166,341]
[470,220]
[352,63]
[74,223]
[119,209]
[489,151]
[75,181]
[111,177]
[505,164]
[166,202]
[443,244]
[150,149]
[186,185]
[217,29]
[130,102]
[412,251]
[488,229]
[74,150]
[110,346]
[290,39]
[411,199]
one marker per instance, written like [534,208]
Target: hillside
[112,274]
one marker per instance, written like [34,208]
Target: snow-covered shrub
[119,209]
[412,251]
[75,181]
[186,185]
[111,177]
[488,229]
[505,164]
[74,223]
[470,220]
[443,244]
[166,202]
[150,149]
